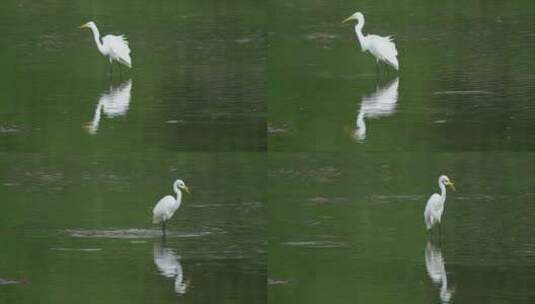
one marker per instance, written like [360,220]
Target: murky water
[352,226]
[465,80]
[78,228]
[197,83]
[354,153]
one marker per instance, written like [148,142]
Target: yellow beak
[452,186]
[347,19]
[187,189]
[83,26]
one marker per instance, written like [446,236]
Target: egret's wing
[384,49]
[164,209]
[430,210]
[119,49]
[432,202]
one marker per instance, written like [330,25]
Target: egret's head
[179,184]
[356,16]
[444,180]
[89,24]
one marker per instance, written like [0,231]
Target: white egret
[436,270]
[167,206]
[435,204]
[115,48]
[113,103]
[169,266]
[379,104]
[382,48]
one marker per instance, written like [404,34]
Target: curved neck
[178,194]
[358,30]
[96,36]
[442,190]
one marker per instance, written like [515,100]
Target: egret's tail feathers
[395,63]
[127,61]
[156,220]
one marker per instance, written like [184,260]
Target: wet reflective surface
[198,77]
[78,228]
[353,226]
[465,80]
[112,103]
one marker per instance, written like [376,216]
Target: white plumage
[166,207]
[115,48]
[382,48]
[435,204]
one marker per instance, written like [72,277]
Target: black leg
[120,72]
[163,228]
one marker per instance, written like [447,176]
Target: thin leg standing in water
[163,228]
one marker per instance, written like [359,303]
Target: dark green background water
[198,77]
[465,81]
[351,229]
[332,214]
[78,228]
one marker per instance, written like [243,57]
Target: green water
[465,80]
[309,168]
[198,77]
[351,228]
[78,228]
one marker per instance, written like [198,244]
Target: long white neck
[360,35]
[442,191]
[96,36]
[178,196]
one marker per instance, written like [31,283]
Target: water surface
[197,83]
[465,80]
[350,228]
[78,228]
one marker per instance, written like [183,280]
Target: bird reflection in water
[436,270]
[169,266]
[379,104]
[113,103]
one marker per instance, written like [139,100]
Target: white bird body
[434,209]
[435,204]
[382,48]
[381,103]
[167,206]
[115,48]
[113,103]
